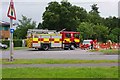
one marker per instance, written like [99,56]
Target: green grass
[55,61]
[108,51]
[20,48]
[0,72]
[60,72]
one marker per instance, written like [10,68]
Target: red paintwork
[72,35]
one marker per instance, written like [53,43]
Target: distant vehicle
[3,46]
[86,44]
[47,39]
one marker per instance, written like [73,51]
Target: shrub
[17,43]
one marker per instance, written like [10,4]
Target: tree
[93,15]
[91,25]
[95,8]
[86,30]
[63,15]
[111,22]
[101,32]
[114,35]
[39,26]
[23,26]
[91,31]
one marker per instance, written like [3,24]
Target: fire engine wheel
[45,47]
[66,48]
[72,47]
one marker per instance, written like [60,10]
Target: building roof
[4,23]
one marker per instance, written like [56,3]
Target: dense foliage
[59,16]
[23,26]
[64,15]
[90,24]
[17,43]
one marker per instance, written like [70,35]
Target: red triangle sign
[11,11]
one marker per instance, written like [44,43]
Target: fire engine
[47,39]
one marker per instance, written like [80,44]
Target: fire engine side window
[68,35]
[76,35]
[35,36]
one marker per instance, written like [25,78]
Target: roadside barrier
[103,46]
[108,46]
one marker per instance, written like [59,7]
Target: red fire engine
[46,39]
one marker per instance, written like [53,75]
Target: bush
[7,42]
[17,43]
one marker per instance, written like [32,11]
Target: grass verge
[17,48]
[108,51]
[55,61]
[60,72]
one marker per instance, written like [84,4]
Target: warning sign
[11,11]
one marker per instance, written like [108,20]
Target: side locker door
[45,38]
[56,40]
[35,43]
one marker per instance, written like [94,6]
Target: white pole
[11,41]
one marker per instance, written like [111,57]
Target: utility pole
[11,40]
[12,15]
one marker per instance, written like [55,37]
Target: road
[58,54]
[60,65]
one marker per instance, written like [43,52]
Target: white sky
[35,8]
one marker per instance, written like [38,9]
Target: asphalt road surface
[60,65]
[58,54]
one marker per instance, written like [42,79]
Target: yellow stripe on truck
[67,40]
[35,39]
[46,39]
[76,40]
[57,39]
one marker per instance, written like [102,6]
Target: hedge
[17,43]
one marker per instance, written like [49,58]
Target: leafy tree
[101,32]
[39,26]
[51,16]
[86,30]
[114,35]
[93,15]
[91,31]
[23,26]
[95,8]
[111,22]
[91,25]
[63,15]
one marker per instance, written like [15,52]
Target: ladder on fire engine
[41,31]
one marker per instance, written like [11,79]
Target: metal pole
[11,41]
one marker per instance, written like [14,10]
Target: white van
[87,44]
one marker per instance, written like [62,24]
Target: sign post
[11,14]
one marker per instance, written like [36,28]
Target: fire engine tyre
[72,47]
[39,49]
[45,47]
[66,48]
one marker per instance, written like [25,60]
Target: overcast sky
[35,8]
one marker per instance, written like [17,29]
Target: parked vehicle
[3,46]
[46,39]
[86,44]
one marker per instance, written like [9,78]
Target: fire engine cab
[47,39]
